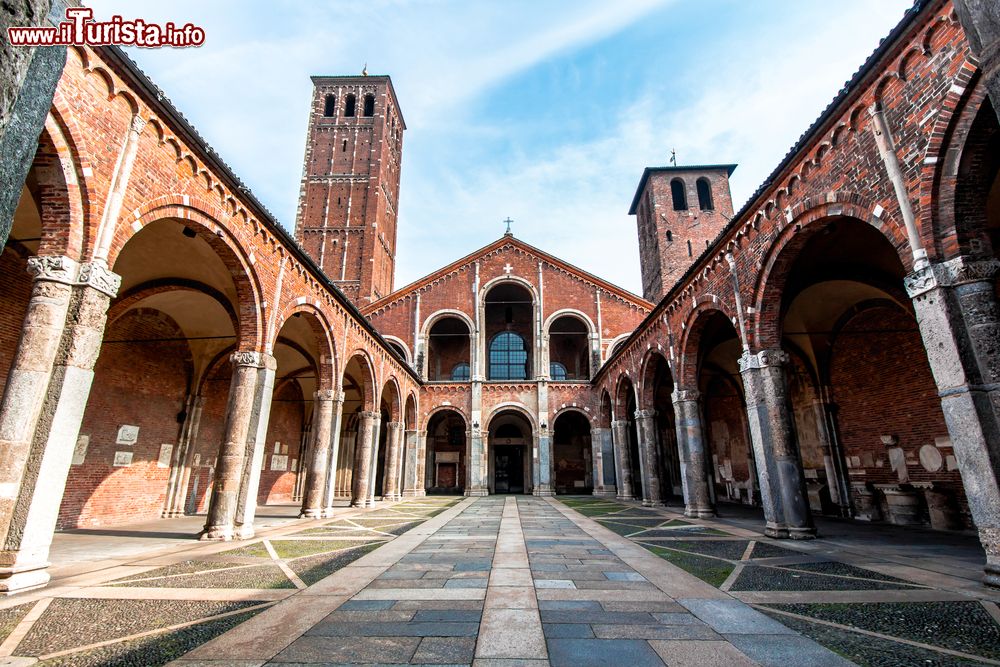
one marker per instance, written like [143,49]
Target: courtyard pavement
[503,581]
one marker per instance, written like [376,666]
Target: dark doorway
[508,469]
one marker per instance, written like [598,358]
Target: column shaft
[363,459]
[772,431]
[692,455]
[322,433]
[393,443]
[649,450]
[623,465]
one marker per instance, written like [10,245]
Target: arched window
[369,109]
[557,371]
[670,236]
[690,250]
[508,357]
[349,107]
[460,373]
[330,106]
[678,195]
[705,195]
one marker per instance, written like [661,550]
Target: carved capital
[369,415]
[327,395]
[763,359]
[247,358]
[684,395]
[138,124]
[53,268]
[100,277]
[958,271]
[619,423]
[645,414]
[398,426]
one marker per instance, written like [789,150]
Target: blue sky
[544,111]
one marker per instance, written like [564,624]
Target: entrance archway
[509,451]
[446,454]
[574,469]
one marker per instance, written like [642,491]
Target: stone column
[960,325]
[376,444]
[772,432]
[180,470]
[543,463]
[413,479]
[43,405]
[363,459]
[322,433]
[692,455]
[393,443]
[226,511]
[833,457]
[246,507]
[645,422]
[602,454]
[623,465]
[333,457]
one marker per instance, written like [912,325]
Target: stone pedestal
[475,456]
[691,450]
[772,433]
[902,504]
[43,405]
[942,510]
[413,477]
[959,322]
[649,450]
[623,463]
[865,504]
[603,457]
[327,402]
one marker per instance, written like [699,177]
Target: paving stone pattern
[812,593]
[194,599]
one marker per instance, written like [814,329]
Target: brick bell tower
[679,211]
[348,199]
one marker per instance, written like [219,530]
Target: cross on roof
[507,222]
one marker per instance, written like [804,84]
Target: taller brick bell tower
[348,200]
[679,211]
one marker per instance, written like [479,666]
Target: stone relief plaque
[127,434]
[930,458]
[80,451]
[196,461]
[122,459]
[279,462]
[166,450]
[293,465]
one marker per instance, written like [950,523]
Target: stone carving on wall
[98,276]
[53,268]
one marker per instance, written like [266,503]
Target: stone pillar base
[22,578]
[476,493]
[542,491]
[698,512]
[653,503]
[622,496]
[414,493]
[606,493]
[312,513]
[245,532]
[218,534]
[328,512]
[991,576]
[775,531]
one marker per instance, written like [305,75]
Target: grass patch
[709,570]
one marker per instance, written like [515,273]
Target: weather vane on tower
[673,157]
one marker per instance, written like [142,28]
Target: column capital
[97,275]
[54,269]
[615,423]
[958,271]
[685,395]
[253,359]
[368,414]
[645,414]
[396,425]
[138,124]
[329,395]
[763,359]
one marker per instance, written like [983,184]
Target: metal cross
[507,222]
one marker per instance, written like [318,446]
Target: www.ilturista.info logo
[81,29]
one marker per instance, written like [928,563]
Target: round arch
[569,312]
[438,315]
[513,406]
[499,280]
[366,383]
[320,325]
[395,341]
[686,376]
[647,371]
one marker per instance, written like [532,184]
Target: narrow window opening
[349,106]
[705,195]
[670,236]
[690,251]
[344,149]
[369,109]
[330,106]
[678,195]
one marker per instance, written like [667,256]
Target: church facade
[828,348]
